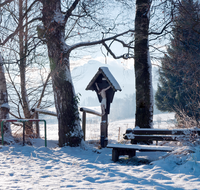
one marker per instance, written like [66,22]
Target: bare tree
[26,90]
[4,109]
[4,106]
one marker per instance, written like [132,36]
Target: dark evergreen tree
[178,88]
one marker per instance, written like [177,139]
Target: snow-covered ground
[86,167]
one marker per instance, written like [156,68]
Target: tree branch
[17,30]
[30,7]
[97,42]
[69,11]
[5,2]
[43,90]
[158,33]
[109,51]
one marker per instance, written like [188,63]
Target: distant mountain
[82,75]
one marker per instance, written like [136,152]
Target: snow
[111,78]
[58,16]
[44,111]
[86,167]
[5,105]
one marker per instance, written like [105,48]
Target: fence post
[84,124]
[37,125]
[119,135]
[2,138]
[104,130]
[23,133]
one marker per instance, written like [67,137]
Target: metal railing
[23,121]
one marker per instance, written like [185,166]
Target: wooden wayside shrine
[104,79]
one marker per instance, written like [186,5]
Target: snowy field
[86,167]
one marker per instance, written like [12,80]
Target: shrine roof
[108,76]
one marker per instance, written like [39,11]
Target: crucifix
[105,85]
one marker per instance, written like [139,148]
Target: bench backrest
[149,135]
[162,131]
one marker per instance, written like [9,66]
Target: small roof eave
[109,77]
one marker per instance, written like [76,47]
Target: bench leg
[115,155]
[131,153]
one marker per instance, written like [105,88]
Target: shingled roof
[108,76]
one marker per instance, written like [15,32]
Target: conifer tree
[178,88]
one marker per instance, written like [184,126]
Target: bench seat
[129,149]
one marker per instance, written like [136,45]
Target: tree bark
[4,107]
[144,91]
[70,132]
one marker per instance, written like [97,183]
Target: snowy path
[32,167]
[37,167]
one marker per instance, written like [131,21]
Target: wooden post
[84,124]
[115,155]
[119,135]
[37,125]
[104,130]
[23,133]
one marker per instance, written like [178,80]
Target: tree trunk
[4,110]
[22,68]
[144,91]
[70,132]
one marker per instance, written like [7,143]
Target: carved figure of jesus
[102,93]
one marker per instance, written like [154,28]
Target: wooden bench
[147,136]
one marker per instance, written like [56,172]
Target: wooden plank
[90,111]
[163,131]
[141,147]
[154,138]
[44,112]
